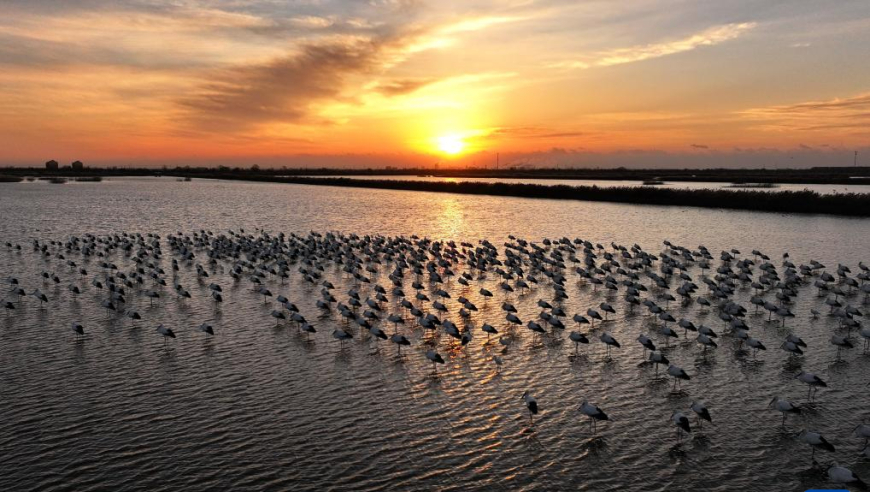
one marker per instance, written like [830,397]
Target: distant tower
[855,164]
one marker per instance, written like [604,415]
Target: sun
[451,144]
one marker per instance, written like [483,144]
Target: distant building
[77,166]
[51,165]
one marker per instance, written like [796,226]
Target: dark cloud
[283,90]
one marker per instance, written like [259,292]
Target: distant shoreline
[747,199]
[803,202]
[817,175]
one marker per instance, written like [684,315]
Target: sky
[373,83]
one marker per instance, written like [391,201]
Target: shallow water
[257,407]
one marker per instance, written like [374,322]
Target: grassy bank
[806,202]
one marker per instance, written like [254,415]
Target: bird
[840,474]
[78,329]
[489,330]
[657,358]
[791,347]
[206,328]
[341,336]
[706,341]
[436,359]
[278,315]
[577,338]
[813,383]
[862,430]
[594,413]
[378,334]
[399,340]
[682,424]
[840,342]
[647,343]
[608,340]
[166,332]
[816,441]
[702,412]
[678,374]
[531,404]
[755,345]
[784,406]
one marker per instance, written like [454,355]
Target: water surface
[257,407]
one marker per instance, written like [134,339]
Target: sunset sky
[404,82]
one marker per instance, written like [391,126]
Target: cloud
[400,87]
[284,89]
[533,132]
[700,146]
[851,115]
[709,37]
[480,23]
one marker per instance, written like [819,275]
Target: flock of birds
[377,309]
